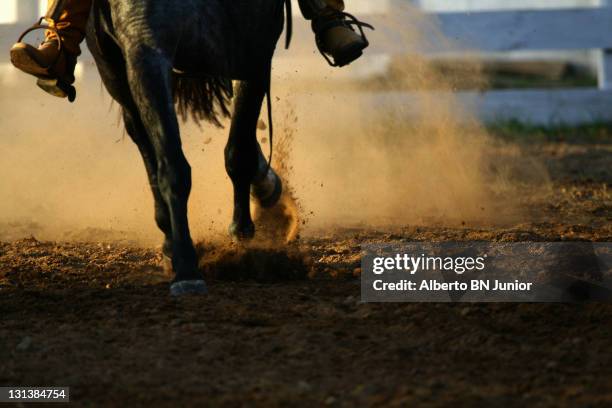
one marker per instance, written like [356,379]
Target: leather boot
[334,31]
[336,37]
[53,62]
[47,61]
[50,63]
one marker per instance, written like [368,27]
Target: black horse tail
[202,98]
[207,98]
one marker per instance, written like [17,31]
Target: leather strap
[55,10]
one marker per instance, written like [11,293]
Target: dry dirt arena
[96,316]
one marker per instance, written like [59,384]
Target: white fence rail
[564,29]
[587,28]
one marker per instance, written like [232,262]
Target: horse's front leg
[150,84]
[242,154]
[138,134]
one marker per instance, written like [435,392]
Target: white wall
[586,58]
[8,11]
[464,5]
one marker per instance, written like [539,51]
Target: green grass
[595,133]
[505,81]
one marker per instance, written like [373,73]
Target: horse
[162,58]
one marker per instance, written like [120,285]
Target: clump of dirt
[275,255]
[258,262]
[281,223]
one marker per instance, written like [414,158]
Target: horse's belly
[241,62]
[236,47]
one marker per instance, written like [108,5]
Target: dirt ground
[96,316]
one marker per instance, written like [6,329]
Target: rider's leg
[334,34]
[48,61]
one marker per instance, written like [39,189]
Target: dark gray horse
[157,57]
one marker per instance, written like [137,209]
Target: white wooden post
[27,11]
[604,63]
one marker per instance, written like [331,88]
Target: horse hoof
[188,287]
[268,191]
[241,234]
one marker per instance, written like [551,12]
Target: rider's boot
[334,32]
[54,61]
[52,65]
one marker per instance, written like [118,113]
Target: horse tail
[289,26]
[202,98]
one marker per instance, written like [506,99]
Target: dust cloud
[398,147]
[357,151]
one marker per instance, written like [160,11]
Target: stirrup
[54,85]
[346,20]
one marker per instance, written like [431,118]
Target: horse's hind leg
[149,79]
[138,134]
[244,161]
